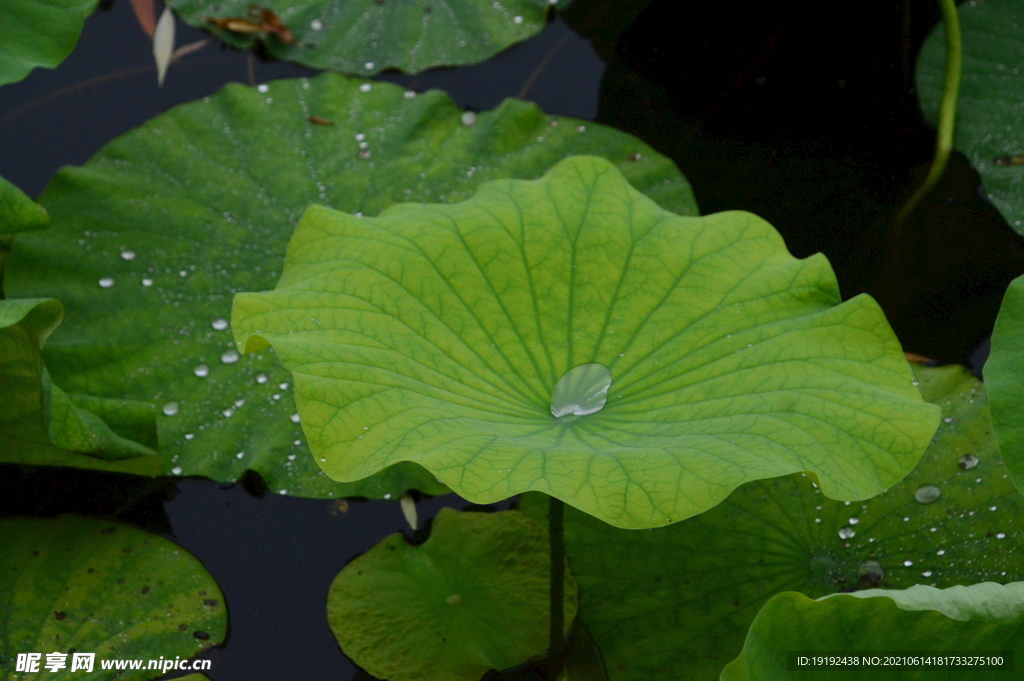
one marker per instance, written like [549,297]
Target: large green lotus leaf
[1004,376]
[92,586]
[38,33]
[437,334]
[980,617]
[475,596]
[19,213]
[368,36]
[41,424]
[674,603]
[989,113]
[152,238]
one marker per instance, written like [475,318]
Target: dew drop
[854,521]
[940,552]
[219,324]
[580,391]
[106,282]
[240,402]
[127,255]
[190,436]
[468,118]
[517,20]
[368,66]
[261,379]
[968,461]
[927,494]
[1001,535]
[926,573]
[295,418]
[846,532]
[410,94]
[202,371]
[242,454]
[365,87]
[283,386]
[177,471]
[817,520]
[262,88]
[908,563]
[316,25]
[229,357]
[147,282]
[170,409]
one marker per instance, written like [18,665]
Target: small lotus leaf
[369,36]
[92,586]
[921,619]
[437,334]
[38,33]
[473,597]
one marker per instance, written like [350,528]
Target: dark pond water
[801,113]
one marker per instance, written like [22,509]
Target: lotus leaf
[1004,373]
[989,114]
[41,424]
[369,36]
[473,597]
[152,237]
[93,586]
[38,33]
[18,212]
[437,334]
[674,603]
[981,617]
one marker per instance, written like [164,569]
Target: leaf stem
[556,512]
[947,114]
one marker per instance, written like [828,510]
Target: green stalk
[947,115]
[557,636]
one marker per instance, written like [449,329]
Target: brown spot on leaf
[145,589]
[59,615]
[201,635]
[210,602]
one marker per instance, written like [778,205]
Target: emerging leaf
[163,44]
[473,597]
[438,333]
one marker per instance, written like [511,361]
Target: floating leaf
[473,597]
[989,116]
[82,584]
[674,603]
[18,213]
[163,44]
[982,617]
[39,422]
[38,33]
[1004,374]
[151,239]
[438,334]
[369,36]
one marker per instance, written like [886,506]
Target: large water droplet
[927,494]
[582,390]
[170,409]
[219,324]
[128,255]
[106,282]
[202,371]
[229,357]
[846,532]
[872,569]
[261,378]
[968,461]
[295,418]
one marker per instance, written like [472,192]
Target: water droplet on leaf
[582,390]
[170,409]
[927,494]
[202,371]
